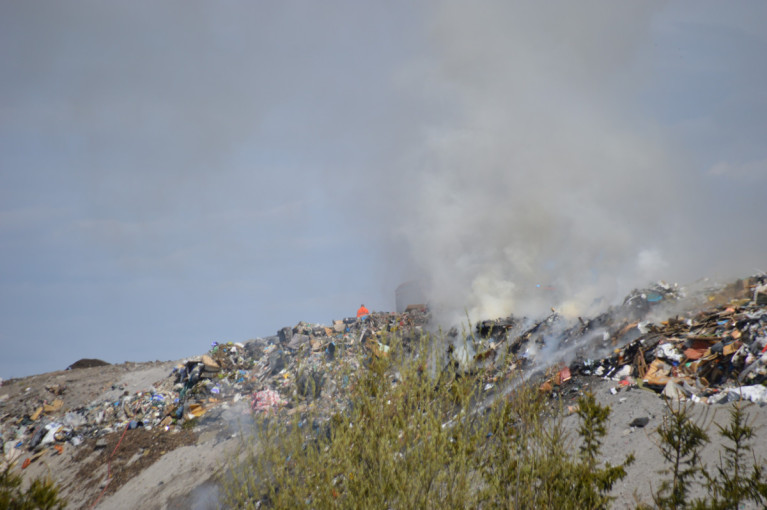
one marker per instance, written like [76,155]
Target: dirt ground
[126,454]
[150,469]
[643,475]
[79,387]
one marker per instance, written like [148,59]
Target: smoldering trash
[707,347]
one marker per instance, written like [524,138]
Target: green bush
[681,441]
[736,478]
[42,493]
[420,439]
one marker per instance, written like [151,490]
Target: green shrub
[735,480]
[681,440]
[42,493]
[424,440]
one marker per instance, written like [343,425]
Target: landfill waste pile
[711,354]
[304,367]
[564,358]
[709,347]
[713,349]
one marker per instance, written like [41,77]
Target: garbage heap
[713,348]
[508,347]
[308,365]
[714,352]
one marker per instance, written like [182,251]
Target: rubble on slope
[291,372]
[711,352]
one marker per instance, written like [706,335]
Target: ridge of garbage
[712,349]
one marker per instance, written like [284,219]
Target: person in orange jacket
[362,312]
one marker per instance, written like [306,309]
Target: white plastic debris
[11,453]
[674,391]
[74,420]
[50,436]
[756,393]
[625,371]
[668,352]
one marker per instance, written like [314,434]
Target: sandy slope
[171,478]
[643,476]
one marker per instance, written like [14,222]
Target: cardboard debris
[34,416]
[196,410]
[697,349]
[658,374]
[210,364]
[56,405]
[731,349]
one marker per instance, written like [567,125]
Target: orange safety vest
[362,311]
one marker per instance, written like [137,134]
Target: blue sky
[177,173]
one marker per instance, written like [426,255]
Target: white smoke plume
[545,182]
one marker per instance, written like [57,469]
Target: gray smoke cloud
[547,172]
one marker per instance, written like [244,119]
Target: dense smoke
[546,186]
